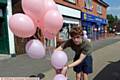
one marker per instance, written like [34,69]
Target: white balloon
[35,49]
[60,77]
[84,32]
[85,37]
[59,59]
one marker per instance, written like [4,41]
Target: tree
[116,18]
[117,24]
[112,21]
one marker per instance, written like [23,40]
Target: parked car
[117,33]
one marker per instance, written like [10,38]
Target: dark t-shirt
[85,47]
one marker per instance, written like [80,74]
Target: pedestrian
[82,61]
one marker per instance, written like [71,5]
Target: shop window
[99,10]
[64,32]
[88,4]
[50,43]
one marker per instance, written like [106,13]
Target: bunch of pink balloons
[45,15]
[38,13]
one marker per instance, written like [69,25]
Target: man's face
[77,39]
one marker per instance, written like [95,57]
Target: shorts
[86,66]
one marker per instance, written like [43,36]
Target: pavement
[105,53]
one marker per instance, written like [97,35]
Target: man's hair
[76,31]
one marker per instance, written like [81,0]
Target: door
[64,32]
[4,46]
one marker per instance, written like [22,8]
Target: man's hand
[58,71]
[64,70]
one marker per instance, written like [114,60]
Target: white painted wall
[71,20]
[69,11]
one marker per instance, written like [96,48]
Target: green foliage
[111,21]
[116,18]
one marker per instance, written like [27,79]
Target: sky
[114,7]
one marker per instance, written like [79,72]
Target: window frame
[88,6]
[99,11]
[71,1]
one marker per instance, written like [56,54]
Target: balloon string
[35,37]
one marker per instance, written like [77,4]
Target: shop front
[71,17]
[94,25]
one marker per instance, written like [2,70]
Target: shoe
[41,75]
[32,76]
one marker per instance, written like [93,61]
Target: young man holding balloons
[82,61]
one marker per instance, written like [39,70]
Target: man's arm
[59,49]
[81,58]
[86,51]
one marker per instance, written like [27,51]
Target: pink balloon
[33,8]
[47,5]
[48,35]
[53,21]
[40,24]
[59,59]
[35,49]
[60,77]
[22,25]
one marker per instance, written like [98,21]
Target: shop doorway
[64,32]
[4,45]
